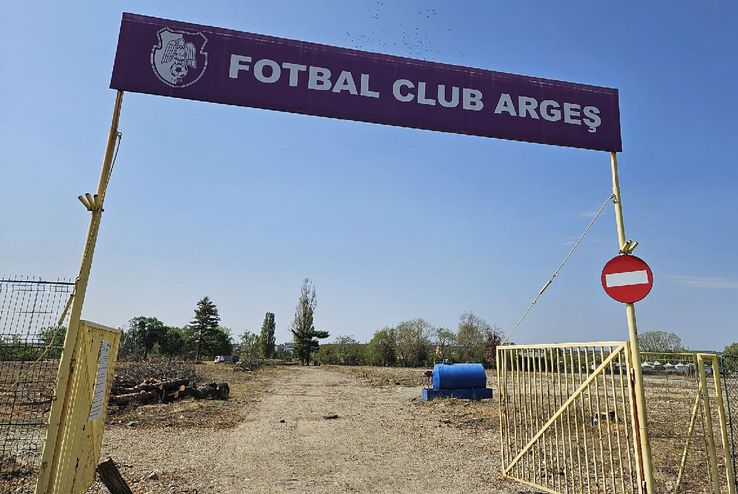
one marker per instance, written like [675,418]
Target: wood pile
[246,365]
[125,392]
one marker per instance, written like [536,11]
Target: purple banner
[190,61]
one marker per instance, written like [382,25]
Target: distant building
[286,348]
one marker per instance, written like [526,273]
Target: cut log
[140,397]
[112,478]
[174,385]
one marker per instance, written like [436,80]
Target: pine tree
[266,337]
[304,334]
[205,324]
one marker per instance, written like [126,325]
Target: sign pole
[644,444]
[47,482]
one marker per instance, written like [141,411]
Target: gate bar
[46,483]
[643,443]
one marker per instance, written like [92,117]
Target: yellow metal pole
[709,432]
[59,409]
[643,440]
[723,424]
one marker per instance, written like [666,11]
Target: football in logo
[179,58]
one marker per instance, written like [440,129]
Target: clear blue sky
[390,223]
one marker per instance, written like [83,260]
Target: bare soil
[385,439]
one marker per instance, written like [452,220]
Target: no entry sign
[627,279]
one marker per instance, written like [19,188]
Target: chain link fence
[32,329]
[729,368]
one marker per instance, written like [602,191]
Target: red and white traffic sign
[627,278]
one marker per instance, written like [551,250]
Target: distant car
[225,358]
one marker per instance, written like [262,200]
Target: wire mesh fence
[31,339]
[684,422]
[729,367]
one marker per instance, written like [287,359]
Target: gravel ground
[271,437]
[385,439]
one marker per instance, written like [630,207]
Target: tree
[250,345]
[53,338]
[172,342]
[492,339]
[659,341]
[730,357]
[382,347]
[15,348]
[204,324]
[266,337]
[349,351]
[303,330]
[413,342]
[471,336]
[142,334]
[444,339]
[327,354]
[218,342]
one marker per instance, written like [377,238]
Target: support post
[643,443]
[717,380]
[709,431]
[46,481]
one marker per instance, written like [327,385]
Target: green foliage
[445,340]
[492,339]
[730,357]
[659,341]
[470,339]
[345,351]
[413,345]
[204,327]
[250,346]
[144,333]
[15,348]
[53,337]
[383,347]
[266,336]
[731,350]
[218,342]
[304,334]
[172,342]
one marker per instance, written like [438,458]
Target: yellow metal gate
[567,417]
[69,462]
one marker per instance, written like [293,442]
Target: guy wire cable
[556,272]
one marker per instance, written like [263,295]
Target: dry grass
[384,376]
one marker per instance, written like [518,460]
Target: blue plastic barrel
[459,376]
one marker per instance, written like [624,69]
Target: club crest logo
[179,58]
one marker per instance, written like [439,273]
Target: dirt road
[384,440]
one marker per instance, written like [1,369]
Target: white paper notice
[101,383]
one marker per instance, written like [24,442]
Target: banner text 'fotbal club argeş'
[190,61]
